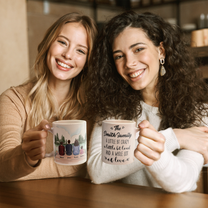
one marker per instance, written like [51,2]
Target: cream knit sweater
[174,173]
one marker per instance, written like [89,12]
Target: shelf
[72,2]
[200,51]
[93,3]
[98,4]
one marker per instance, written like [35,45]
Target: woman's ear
[161,51]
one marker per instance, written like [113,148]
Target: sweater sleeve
[12,159]
[171,141]
[13,163]
[177,173]
[101,172]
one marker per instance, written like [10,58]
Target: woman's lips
[63,64]
[137,73]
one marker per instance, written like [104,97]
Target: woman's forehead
[129,36]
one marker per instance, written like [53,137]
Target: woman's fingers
[34,148]
[146,151]
[43,125]
[32,135]
[143,158]
[146,124]
[152,134]
[34,140]
[36,153]
[33,144]
[151,144]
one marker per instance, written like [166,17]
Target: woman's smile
[136,73]
[63,66]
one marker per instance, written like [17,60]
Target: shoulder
[19,92]
[16,95]
[22,91]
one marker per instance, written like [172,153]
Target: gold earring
[162,70]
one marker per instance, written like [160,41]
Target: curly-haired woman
[54,93]
[142,70]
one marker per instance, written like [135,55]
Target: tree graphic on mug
[63,140]
[81,139]
[57,142]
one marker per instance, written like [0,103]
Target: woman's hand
[195,139]
[151,144]
[33,142]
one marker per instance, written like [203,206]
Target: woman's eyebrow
[69,41]
[118,51]
[135,44]
[130,47]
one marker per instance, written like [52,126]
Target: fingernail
[141,125]
[47,126]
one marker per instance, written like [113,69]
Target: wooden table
[81,193]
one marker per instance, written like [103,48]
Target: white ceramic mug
[69,142]
[118,141]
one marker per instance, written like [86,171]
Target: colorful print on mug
[69,142]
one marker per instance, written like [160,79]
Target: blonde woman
[54,93]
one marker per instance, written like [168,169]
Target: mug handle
[136,132]
[137,129]
[51,153]
[50,130]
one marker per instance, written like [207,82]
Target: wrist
[32,163]
[179,137]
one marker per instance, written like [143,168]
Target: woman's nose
[130,61]
[67,53]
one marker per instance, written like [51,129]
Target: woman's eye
[139,49]
[62,42]
[118,57]
[81,51]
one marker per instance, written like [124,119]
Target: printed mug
[118,141]
[69,142]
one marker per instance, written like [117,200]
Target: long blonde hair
[40,96]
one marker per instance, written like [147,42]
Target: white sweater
[174,173]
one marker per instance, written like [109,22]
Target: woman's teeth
[64,65]
[136,74]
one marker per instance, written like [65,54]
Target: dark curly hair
[182,91]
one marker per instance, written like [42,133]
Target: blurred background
[24,22]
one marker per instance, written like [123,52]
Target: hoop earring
[162,70]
